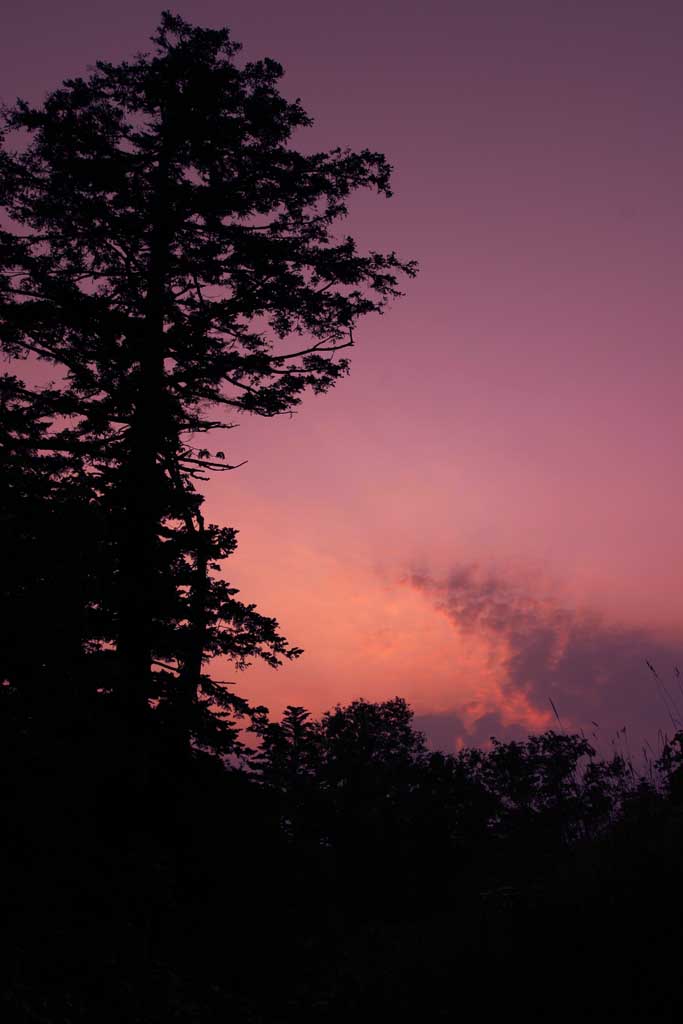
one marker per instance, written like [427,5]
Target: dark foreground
[137,887]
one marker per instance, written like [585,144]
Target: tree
[289,750]
[171,254]
[287,763]
[58,594]
[345,780]
[48,526]
[365,736]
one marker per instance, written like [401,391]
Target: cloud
[591,669]
[450,730]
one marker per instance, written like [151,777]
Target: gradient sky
[487,512]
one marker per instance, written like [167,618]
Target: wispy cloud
[592,670]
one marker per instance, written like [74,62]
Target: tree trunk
[138,566]
[182,697]
[143,483]
[185,698]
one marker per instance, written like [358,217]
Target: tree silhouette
[58,596]
[288,762]
[171,254]
[56,557]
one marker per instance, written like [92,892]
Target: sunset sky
[487,513]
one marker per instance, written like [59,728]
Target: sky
[486,514]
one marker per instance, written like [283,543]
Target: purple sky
[488,511]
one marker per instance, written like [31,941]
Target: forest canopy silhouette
[169,261]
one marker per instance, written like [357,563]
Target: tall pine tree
[170,253]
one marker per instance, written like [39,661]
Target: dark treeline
[167,259]
[342,868]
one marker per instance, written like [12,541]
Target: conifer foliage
[173,258]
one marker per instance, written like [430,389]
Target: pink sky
[488,511]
